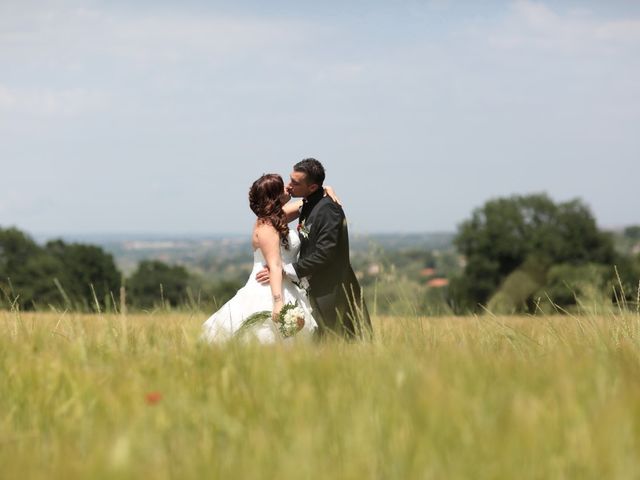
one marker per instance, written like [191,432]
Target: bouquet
[290,320]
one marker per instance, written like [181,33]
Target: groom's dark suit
[335,293]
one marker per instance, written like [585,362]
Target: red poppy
[152,398]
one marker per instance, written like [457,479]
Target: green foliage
[583,288]
[392,295]
[26,271]
[88,270]
[74,276]
[59,274]
[33,283]
[15,249]
[627,280]
[633,232]
[395,280]
[513,294]
[516,290]
[533,231]
[156,283]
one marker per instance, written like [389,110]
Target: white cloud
[68,61]
[217,36]
[627,31]
[441,91]
[538,26]
[68,34]
[50,102]
[340,73]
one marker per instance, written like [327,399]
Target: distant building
[438,283]
[427,272]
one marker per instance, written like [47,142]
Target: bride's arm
[269,244]
[292,210]
[331,193]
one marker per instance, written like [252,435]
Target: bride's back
[288,255]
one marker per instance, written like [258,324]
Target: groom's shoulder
[329,206]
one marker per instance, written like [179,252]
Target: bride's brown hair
[265,200]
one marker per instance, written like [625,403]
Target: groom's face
[298,185]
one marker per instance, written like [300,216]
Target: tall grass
[133,396]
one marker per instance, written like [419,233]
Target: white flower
[291,320]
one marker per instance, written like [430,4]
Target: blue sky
[157,117]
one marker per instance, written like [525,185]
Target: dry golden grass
[107,396]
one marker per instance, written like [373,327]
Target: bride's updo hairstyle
[265,200]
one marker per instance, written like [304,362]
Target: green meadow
[139,396]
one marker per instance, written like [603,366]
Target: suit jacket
[334,290]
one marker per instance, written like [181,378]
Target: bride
[274,245]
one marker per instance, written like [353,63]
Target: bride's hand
[277,306]
[331,193]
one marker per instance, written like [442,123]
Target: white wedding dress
[253,298]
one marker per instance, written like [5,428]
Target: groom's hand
[263,276]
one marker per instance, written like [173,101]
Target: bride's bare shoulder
[263,233]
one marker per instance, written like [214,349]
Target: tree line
[517,254]
[521,254]
[528,253]
[85,277]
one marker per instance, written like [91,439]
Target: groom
[335,294]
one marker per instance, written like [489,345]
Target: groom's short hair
[313,169]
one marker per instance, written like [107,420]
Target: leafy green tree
[58,274]
[26,271]
[15,249]
[507,232]
[585,288]
[34,284]
[155,283]
[632,232]
[88,269]
[627,281]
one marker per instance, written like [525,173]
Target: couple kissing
[301,277]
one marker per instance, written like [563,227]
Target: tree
[33,275]
[88,269]
[26,272]
[155,282]
[585,288]
[15,249]
[632,232]
[530,232]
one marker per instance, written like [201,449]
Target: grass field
[106,396]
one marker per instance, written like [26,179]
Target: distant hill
[213,253]
[402,241]
[201,251]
